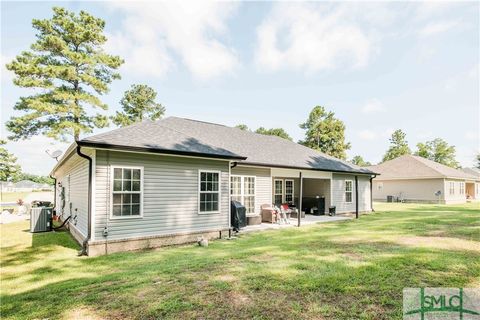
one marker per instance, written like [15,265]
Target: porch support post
[300,200]
[356,197]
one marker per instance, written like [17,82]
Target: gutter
[89,220]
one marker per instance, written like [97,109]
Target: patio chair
[268,213]
[284,211]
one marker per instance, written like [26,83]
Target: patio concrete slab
[308,220]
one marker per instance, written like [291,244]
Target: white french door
[242,189]
[283,191]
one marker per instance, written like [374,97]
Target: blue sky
[379,66]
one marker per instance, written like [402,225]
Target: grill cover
[238,214]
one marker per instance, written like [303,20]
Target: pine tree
[68,65]
[358,160]
[9,169]
[326,133]
[138,104]
[398,146]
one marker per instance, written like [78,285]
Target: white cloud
[472,136]
[195,31]
[310,37]
[437,27]
[373,106]
[367,134]
[32,156]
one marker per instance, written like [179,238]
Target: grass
[354,269]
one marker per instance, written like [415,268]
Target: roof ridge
[426,163]
[201,121]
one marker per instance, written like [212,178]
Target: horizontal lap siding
[170,196]
[409,189]
[263,184]
[338,193]
[77,169]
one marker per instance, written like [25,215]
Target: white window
[477,191]
[462,187]
[127,192]
[209,191]
[278,191]
[289,185]
[380,186]
[452,188]
[348,191]
[242,189]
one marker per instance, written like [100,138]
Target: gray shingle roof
[196,137]
[415,167]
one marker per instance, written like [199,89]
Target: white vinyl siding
[338,188]
[170,195]
[73,177]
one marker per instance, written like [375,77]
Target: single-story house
[416,179]
[171,181]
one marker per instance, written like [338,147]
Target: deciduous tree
[243,127]
[138,104]
[438,150]
[326,133]
[69,70]
[279,132]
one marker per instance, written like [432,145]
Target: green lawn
[352,269]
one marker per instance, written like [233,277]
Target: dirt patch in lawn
[445,243]
[83,313]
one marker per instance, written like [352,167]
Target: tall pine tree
[398,146]
[138,104]
[68,65]
[9,169]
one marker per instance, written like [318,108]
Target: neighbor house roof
[415,167]
[196,138]
[472,171]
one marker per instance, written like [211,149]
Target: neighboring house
[170,181]
[24,186]
[416,179]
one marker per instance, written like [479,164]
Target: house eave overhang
[270,165]
[97,145]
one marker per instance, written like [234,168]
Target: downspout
[54,192]
[89,220]
[371,192]
[356,197]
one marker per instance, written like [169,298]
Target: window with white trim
[380,185]
[242,189]
[452,188]
[462,187]
[209,191]
[127,192]
[348,191]
[289,186]
[278,191]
